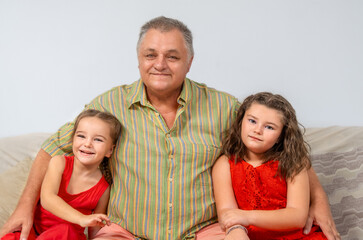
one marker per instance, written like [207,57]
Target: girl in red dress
[75,189]
[261,183]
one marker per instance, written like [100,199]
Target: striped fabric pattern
[162,177]
[341,174]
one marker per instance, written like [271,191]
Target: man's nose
[160,63]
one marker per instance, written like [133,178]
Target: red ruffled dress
[258,188]
[49,226]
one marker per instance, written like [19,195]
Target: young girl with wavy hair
[260,183]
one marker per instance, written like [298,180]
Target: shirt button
[170,179]
[170,205]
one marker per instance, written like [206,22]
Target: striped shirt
[162,185]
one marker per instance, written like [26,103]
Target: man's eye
[173,57]
[150,55]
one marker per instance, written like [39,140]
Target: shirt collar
[137,94]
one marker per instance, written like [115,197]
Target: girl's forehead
[262,111]
[93,123]
[255,105]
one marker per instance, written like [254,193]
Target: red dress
[49,226]
[258,188]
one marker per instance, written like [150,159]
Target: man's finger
[8,229]
[25,231]
[329,232]
[3,231]
[308,225]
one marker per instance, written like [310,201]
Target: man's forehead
[171,36]
[171,41]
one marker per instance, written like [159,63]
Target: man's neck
[166,105]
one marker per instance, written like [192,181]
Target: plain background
[56,56]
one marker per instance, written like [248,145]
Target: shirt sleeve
[233,112]
[60,142]
[235,109]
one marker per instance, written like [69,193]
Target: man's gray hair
[165,24]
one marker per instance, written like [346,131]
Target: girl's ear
[109,153]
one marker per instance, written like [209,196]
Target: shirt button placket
[170,179]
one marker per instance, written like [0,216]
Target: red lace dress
[50,226]
[257,188]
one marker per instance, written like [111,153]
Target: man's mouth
[160,74]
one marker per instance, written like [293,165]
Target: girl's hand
[230,217]
[93,220]
[237,234]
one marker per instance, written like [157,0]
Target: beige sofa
[337,156]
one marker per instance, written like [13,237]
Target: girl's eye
[251,120]
[80,136]
[98,140]
[269,127]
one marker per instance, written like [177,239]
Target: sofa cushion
[341,175]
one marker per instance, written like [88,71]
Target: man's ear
[190,63]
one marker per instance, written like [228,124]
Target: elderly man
[171,136]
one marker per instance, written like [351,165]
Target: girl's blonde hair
[291,150]
[115,131]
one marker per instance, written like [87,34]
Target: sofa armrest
[16,157]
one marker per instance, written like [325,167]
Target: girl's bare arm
[293,216]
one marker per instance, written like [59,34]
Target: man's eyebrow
[149,50]
[168,51]
[173,51]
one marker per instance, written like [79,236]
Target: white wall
[56,56]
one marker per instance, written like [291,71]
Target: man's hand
[320,214]
[319,211]
[18,221]
[22,217]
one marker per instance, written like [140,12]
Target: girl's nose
[258,129]
[88,142]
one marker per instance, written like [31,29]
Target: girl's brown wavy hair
[115,131]
[291,150]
